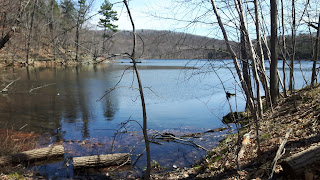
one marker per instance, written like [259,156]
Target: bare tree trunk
[252,107]
[245,63]
[77,42]
[258,110]
[284,53]
[52,29]
[234,57]
[291,86]
[262,73]
[144,111]
[264,38]
[30,31]
[104,40]
[274,81]
[316,55]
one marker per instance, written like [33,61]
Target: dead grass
[16,141]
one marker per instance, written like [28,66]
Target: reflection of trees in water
[72,99]
[38,111]
[110,108]
[89,80]
[110,102]
[83,104]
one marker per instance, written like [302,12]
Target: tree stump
[32,155]
[101,160]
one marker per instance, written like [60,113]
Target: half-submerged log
[101,160]
[32,155]
[297,163]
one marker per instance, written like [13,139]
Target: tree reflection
[110,108]
[60,109]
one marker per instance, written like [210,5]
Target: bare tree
[30,30]
[262,72]
[284,50]
[244,86]
[143,105]
[274,82]
[316,55]
[293,53]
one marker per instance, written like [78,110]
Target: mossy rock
[237,117]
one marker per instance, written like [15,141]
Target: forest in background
[48,30]
[55,31]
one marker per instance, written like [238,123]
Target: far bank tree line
[61,30]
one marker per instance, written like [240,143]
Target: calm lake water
[182,97]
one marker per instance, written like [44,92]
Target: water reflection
[179,100]
[72,99]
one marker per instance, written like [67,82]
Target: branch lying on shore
[280,152]
[30,91]
[5,90]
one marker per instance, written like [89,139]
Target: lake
[67,104]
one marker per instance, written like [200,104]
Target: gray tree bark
[293,34]
[103,160]
[143,105]
[274,81]
[316,55]
[31,155]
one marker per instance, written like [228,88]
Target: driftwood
[5,90]
[297,163]
[118,159]
[32,155]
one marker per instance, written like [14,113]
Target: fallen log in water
[195,135]
[297,163]
[32,155]
[101,160]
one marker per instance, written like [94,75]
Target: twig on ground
[280,152]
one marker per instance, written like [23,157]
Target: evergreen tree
[68,14]
[108,16]
[106,22]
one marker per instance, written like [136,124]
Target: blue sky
[194,17]
[159,15]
